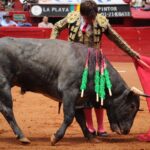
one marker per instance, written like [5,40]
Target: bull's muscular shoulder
[102,21]
[73,16]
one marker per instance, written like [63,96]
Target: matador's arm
[118,40]
[58,27]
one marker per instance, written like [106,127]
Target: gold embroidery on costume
[75,29]
[72,28]
[72,21]
[102,21]
[73,36]
[95,31]
[73,16]
[99,31]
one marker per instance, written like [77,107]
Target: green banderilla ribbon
[97,84]
[84,81]
[102,88]
[108,81]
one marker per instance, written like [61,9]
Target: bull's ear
[132,97]
[124,95]
[131,93]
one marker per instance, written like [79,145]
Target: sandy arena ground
[38,118]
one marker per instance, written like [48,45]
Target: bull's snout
[119,129]
[125,131]
[115,128]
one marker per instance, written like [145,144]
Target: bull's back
[42,48]
[42,65]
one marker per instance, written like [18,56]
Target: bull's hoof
[24,140]
[53,140]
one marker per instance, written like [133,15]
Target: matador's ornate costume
[92,38]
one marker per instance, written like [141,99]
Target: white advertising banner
[99,2]
[60,8]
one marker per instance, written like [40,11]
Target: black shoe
[102,134]
[93,133]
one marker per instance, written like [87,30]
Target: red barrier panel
[25,32]
[137,37]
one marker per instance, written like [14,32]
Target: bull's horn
[139,92]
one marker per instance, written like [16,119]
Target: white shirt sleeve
[5,24]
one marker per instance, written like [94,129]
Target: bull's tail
[59,107]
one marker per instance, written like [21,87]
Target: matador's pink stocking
[100,117]
[89,120]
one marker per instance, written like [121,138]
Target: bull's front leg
[69,98]
[80,117]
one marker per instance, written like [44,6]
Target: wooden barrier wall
[137,37]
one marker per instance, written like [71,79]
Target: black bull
[54,68]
